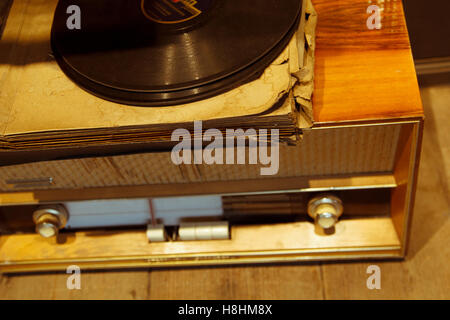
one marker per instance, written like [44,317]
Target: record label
[174,11]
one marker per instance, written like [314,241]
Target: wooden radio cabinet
[364,146]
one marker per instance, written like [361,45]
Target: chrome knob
[325,209]
[50,219]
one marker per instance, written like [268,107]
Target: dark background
[4,9]
[429,27]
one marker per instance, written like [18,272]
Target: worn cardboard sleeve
[41,109]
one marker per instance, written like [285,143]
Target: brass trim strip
[412,181]
[28,183]
[281,185]
[324,126]
[276,256]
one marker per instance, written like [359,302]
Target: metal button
[50,219]
[325,209]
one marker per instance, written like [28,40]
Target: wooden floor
[424,274]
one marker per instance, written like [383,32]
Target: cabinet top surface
[363,74]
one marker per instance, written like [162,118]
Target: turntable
[92,92]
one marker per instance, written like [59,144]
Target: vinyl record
[168,52]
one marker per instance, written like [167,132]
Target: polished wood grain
[361,73]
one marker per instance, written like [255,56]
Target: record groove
[125,53]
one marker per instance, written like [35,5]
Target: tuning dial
[325,209]
[50,219]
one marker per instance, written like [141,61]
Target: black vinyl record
[168,52]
